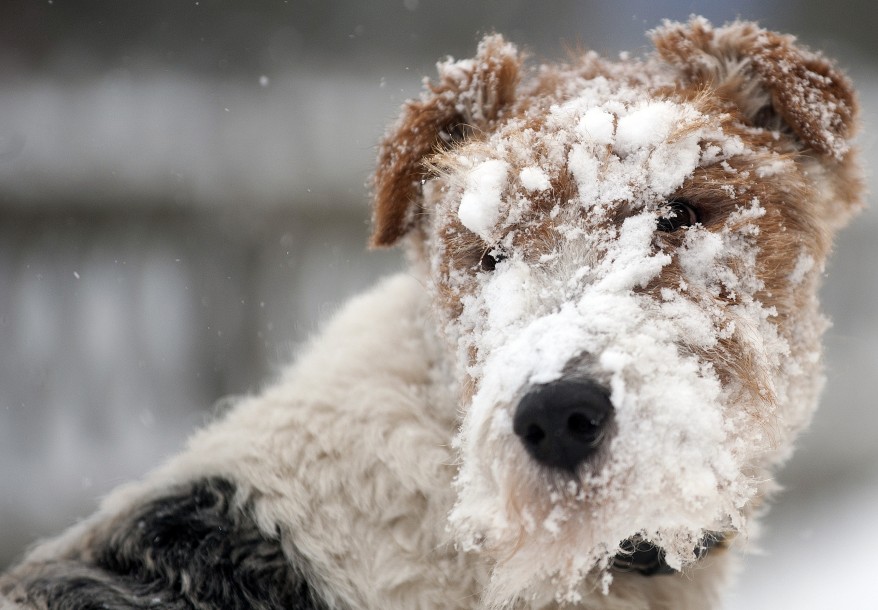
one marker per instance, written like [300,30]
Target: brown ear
[468,97]
[777,84]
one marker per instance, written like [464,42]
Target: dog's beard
[671,472]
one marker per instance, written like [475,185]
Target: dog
[577,396]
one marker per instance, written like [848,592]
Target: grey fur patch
[191,549]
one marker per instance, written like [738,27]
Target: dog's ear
[467,99]
[777,84]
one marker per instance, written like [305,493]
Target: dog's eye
[679,213]
[489,261]
[455,132]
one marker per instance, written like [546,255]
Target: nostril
[583,427]
[534,435]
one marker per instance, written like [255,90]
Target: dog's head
[626,258]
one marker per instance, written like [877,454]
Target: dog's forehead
[603,145]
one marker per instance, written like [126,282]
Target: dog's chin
[569,550]
[567,578]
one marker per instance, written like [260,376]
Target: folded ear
[776,84]
[467,99]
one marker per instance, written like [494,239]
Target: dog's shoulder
[286,500]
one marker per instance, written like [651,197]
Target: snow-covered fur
[608,341]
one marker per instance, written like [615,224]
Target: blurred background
[183,199]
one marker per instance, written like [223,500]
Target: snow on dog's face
[647,235]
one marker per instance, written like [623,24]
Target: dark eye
[454,132]
[678,213]
[490,259]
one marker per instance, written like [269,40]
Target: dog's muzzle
[562,424]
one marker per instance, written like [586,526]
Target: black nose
[561,423]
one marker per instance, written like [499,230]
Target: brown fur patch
[766,74]
[467,98]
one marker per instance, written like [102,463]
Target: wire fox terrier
[608,340]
